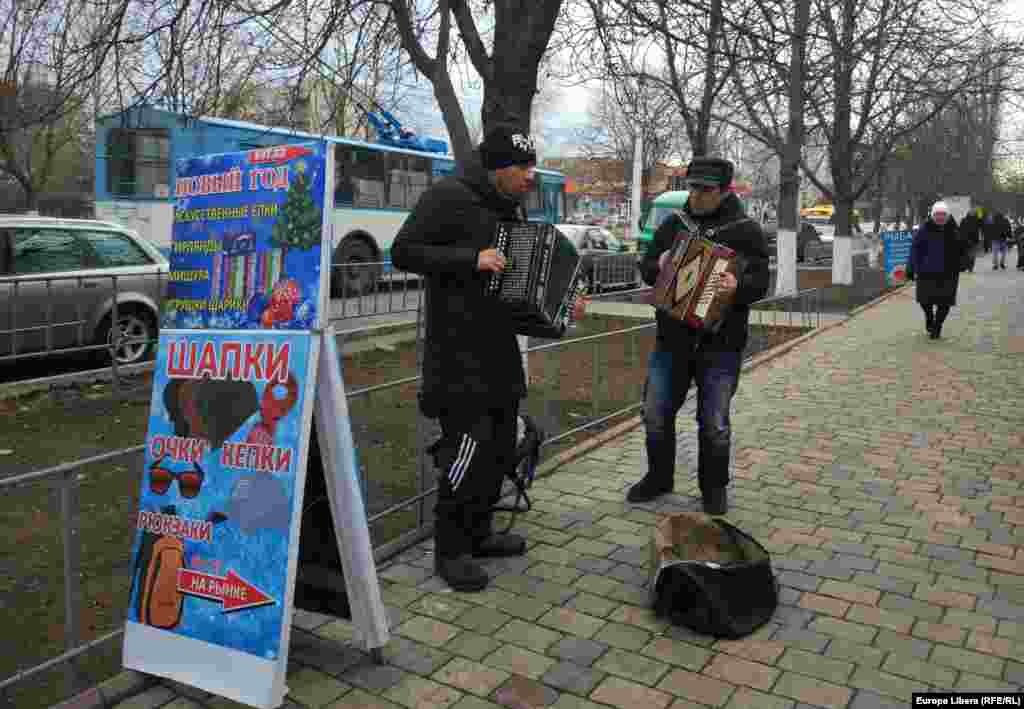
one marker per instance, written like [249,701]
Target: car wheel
[356,278]
[132,324]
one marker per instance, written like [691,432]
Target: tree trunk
[454,119]
[879,199]
[707,102]
[507,102]
[842,147]
[789,166]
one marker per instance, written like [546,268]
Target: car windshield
[658,214]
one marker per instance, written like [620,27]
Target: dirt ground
[569,386]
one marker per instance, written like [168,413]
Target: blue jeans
[669,376]
[999,249]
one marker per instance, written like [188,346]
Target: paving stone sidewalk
[884,471]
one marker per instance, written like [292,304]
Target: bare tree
[869,69]
[677,46]
[50,61]
[622,109]
[507,59]
[952,153]
[197,57]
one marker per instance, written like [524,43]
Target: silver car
[58,281]
[603,260]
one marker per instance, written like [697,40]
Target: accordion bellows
[687,286]
[541,277]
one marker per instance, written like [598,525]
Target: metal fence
[615,271]
[58,518]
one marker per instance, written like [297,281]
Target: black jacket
[970,229]
[936,256]
[471,356]
[747,239]
[997,227]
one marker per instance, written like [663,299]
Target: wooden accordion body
[687,286]
[541,279]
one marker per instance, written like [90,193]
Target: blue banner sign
[246,245]
[896,255]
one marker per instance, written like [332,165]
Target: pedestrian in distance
[936,254]
[970,234]
[998,232]
[1018,236]
[684,355]
[473,376]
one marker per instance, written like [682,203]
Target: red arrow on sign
[234,592]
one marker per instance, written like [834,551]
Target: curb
[549,466]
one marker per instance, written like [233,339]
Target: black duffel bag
[711,577]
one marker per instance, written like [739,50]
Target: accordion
[687,286]
[541,280]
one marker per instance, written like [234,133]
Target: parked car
[808,234]
[823,225]
[57,286]
[598,244]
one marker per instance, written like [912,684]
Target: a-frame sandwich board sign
[243,362]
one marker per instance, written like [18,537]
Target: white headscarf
[939,206]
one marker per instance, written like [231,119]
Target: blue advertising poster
[246,245]
[896,255]
[223,465]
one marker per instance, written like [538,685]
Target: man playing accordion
[684,355]
[473,374]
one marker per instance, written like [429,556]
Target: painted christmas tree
[299,221]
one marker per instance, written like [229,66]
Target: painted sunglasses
[190,482]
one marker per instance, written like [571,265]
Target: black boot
[661,471]
[649,488]
[461,573]
[500,545]
[715,500]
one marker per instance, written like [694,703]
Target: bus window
[361,176]
[139,160]
[398,180]
[344,183]
[409,177]
[419,179]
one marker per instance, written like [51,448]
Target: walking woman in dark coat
[935,257]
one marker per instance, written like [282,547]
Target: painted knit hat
[504,147]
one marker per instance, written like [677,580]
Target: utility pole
[636,197]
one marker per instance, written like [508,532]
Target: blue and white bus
[375,185]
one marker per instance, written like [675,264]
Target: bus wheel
[353,273]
